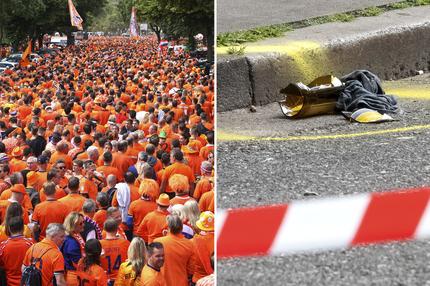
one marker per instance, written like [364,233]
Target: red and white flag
[75,18]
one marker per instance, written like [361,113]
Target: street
[272,160]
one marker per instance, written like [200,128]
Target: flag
[25,55]
[75,18]
[133,24]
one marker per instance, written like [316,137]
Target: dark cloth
[363,90]
[71,252]
[37,145]
[90,225]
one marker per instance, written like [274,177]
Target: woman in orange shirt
[130,270]
[89,272]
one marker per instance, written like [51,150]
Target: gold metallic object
[319,97]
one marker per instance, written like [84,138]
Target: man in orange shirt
[177,167]
[18,193]
[140,208]
[120,159]
[107,168]
[61,153]
[49,211]
[12,251]
[179,252]
[154,222]
[205,184]
[114,250]
[101,215]
[50,259]
[206,202]
[203,246]
[151,272]
[179,184]
[73,200]
[16,163]
[88,186]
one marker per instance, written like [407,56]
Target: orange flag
[25,55]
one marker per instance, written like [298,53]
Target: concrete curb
[391,53]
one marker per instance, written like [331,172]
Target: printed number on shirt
[115,265]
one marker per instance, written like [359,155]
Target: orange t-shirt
[194,161]
[178,252]
[152,277]
[139,209]
[52,260]
[61,156]
[88,186]
[122,162]
[177,168]
[114,253]
[48,212]
[206,202]
[74,202]
[109,170]
[203,248]
[153,225]
[100,217]
[203,185]
[59,193]
[26,202]
[204,152]
[95,275]
[17,165]
[12,252]
[4,204]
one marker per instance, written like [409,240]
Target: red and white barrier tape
[324,224]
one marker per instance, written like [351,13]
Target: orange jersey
[95,275]
[151,277]
[203,248]
[74,202]
[51,262]
[178,253]
[178,168]
[88,187]
[139,209]
[48,212]
[59,193]
[153,225]
[12,252]
[3,208]
[206,202]
[204,185]
[114,253]
[100,217]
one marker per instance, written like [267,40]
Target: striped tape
[324,224]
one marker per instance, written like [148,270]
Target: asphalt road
[260,172]
[242,14]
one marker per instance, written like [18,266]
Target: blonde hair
[70,222]
[137,255]
[192,212]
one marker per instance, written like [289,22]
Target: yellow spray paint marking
[288,48]
[414,92]
[222,136]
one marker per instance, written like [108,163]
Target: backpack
[31,275]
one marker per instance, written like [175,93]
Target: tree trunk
[70,38]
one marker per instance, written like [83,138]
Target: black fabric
[37,145]
[3,280]
[363,90]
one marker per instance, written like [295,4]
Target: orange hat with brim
[18,188]
[17,152]
[163,200]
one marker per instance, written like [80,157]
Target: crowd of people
[107,167]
